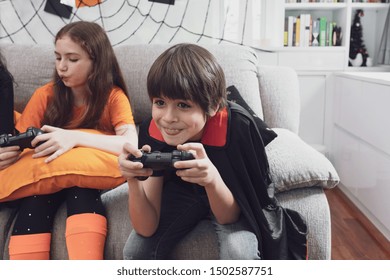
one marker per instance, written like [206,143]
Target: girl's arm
[202,171]
[57,141]
[144,196]
[8,156]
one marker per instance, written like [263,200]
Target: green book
[322,32]
[330,33]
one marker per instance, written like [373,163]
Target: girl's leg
[31,233]
[237,241]
[181,209]
[86,225]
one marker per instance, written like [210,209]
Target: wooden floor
[353,236]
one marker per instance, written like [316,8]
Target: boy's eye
[183,105]
[158,102]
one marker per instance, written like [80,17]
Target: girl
[87,91]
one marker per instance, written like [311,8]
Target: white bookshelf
[343,13]
[316,65]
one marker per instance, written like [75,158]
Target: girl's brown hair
[188,72]
[105,75]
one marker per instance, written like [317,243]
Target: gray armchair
[300,173]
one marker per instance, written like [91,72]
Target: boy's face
[179,121]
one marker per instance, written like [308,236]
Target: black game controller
[160,161]
[23,140]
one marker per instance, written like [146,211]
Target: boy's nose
[170,116]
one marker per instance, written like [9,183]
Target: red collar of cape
[214,134]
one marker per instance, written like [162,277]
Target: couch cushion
[295,164]
[81,166]
[240,70]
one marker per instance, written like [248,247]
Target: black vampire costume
[234,145]
[6,102]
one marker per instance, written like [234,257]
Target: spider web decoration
[139,21]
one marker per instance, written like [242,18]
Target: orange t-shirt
[117,111]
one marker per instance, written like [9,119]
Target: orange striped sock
[85,236]
[30,246]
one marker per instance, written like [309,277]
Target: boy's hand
[9,155]
[199,171]
[129,169]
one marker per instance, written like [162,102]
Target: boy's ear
[214,111]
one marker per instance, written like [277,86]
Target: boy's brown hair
[188,72]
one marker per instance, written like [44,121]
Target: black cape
[234,145]
[6,102]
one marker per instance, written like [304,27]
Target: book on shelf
[307,38]
[314,1]
[329,35]
[290,31]
[322,32]
[297,32]
[370,1]
[304,31]
[285,34]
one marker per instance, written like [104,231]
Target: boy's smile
[179,121]
[171,131]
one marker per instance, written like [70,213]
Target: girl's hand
[8,156]
[55,142]
[129,169]
[201,170]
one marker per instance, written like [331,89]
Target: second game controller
[23,140]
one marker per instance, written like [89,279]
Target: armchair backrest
[272,92]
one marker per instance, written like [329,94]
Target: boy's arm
[145,204]
[222,202]
[202,171]
[144,196]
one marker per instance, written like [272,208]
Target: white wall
[139,21]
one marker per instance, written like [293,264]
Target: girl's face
[179,121]
[73,64]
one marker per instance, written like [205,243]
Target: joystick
[158,160]
[23,140]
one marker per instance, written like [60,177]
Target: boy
[228,178]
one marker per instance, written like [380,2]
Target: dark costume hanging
[6,102]
[234,145]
